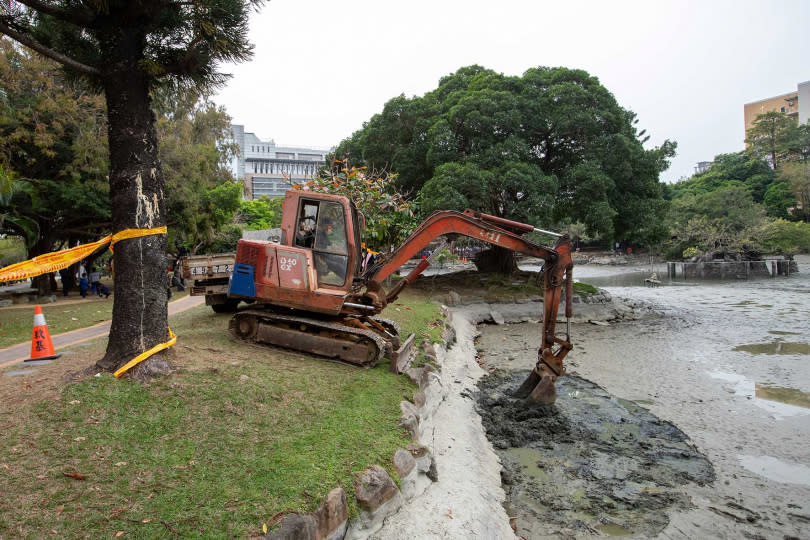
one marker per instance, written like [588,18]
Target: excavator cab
[314,266]
[322,227]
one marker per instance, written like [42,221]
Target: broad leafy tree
[550,146]
[752,172]
[768,136]
[389,217]
[797,177]
[128,49]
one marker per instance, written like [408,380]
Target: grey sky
[323,67]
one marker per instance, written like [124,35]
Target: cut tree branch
[31,43]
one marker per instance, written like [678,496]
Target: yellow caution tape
[134,233]
[56,260]
[146,354]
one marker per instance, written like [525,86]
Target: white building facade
[268,169]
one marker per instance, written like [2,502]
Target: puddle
[777,470]
[775,347]
[611,529]
[790,396]
[779,401]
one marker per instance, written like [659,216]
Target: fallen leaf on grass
[121,464]
[75,475]
[79,439]
[75,402]
[74,319]
[119,534]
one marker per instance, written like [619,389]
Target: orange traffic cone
[41,345]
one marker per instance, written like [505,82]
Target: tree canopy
[550,146]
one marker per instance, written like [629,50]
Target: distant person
[103,289]
[84,284]
[94,276]
[66,276]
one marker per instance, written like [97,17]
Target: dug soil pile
[589,463]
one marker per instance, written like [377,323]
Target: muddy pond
[693,422]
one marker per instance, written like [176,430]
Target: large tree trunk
[140,315]
[496,260]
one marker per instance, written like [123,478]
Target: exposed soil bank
[589,463]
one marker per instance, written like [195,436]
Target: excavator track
[392,328]
[303,334]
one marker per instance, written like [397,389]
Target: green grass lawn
[232,440]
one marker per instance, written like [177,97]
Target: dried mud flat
[589,464]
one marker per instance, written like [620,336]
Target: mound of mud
[589,463]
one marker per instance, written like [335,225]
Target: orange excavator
[317,291]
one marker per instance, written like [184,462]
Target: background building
[794,104]
[268,169]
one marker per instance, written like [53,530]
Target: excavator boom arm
[557,271]
[466,224]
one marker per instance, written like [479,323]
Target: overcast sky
[323,67]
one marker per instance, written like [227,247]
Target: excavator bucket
[538,388]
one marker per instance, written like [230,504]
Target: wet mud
[591,463]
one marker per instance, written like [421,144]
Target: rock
[414,374]
[333,516]
[453,298]
[50,299]
[374,487]
[427,348]
[497,318]
[5,303]
[419,399]
[599,323]
[417,450]
[296,527]
[425,375]
[410,418]
[404,463]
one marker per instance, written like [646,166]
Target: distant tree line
[751,202]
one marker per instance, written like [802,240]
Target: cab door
[321,226]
